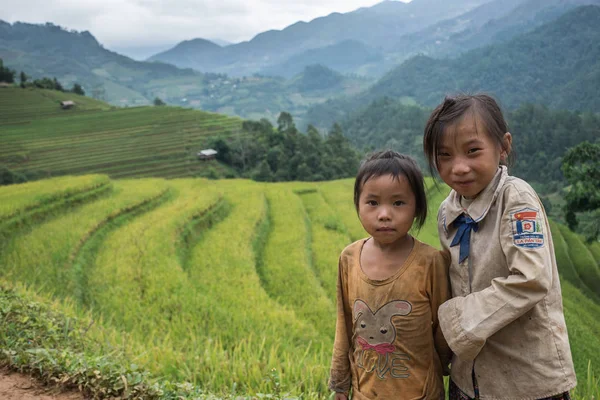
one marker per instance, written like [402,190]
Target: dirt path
[15,386]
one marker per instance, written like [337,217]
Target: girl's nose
[460,167]
[384,214]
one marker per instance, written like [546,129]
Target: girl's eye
[399,203]
[474,150]
[442,154]
[372,202]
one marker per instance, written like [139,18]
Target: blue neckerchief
[464,224]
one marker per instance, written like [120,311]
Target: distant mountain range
[492,22]
[49,50]
[377,28]
[371,41]
[521,60]
[557,64]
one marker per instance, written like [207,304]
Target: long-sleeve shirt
[388,344]
[505,320]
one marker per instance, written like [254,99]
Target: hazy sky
[139,23]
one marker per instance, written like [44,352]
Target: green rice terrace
[154,288]
[38,137]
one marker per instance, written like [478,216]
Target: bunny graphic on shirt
[375,335]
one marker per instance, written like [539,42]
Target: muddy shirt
[388,344]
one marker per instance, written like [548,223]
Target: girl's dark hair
[451,110]
[389,162]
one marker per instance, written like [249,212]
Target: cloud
[131,23]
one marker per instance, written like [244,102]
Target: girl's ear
[506,147]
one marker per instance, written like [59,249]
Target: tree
[265,153]
[6,74]
[223,150]
[57,85]
[8,177]
[23,79]
[581,168]
[158,102]
[285,121]
[44,83]
[263,172]
[77,89]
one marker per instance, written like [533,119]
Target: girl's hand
[341,396]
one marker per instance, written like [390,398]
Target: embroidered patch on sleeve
[527,227]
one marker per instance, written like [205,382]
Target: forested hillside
[541,136]
[557,65]
[49,50]
[347,56]
[493,22]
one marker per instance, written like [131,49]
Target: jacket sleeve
[467,322]
[340,378]
[439,293]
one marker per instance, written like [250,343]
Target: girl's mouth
[464,183]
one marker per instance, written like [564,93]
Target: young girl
[390,285]
[505,322]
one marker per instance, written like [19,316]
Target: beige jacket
[388,344]
[505,319]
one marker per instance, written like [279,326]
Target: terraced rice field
[36,135]
[227,284]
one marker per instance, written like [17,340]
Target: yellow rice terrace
[228,285]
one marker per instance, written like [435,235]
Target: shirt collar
[479,207]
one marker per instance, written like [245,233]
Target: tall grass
[18,199]
[131,142]
[339,196]
[583,260]
[328,238]
[225,284]
[289,275]
[41,256]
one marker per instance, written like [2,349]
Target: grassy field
[38,137]
[225,284]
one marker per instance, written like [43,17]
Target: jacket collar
[479,208]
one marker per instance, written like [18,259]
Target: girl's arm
[439,293]
[467,322]
[340,378]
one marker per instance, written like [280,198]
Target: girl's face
[386,208]
[468,157]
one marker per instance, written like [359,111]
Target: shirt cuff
[465,345]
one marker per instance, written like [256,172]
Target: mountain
[490,23]
[50,50]
[140,52]
[535,67]
[558,65]
[70,56]
[189,53]
[318,78]
[377,27]
[346,56]
[435,39]
[221,42]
